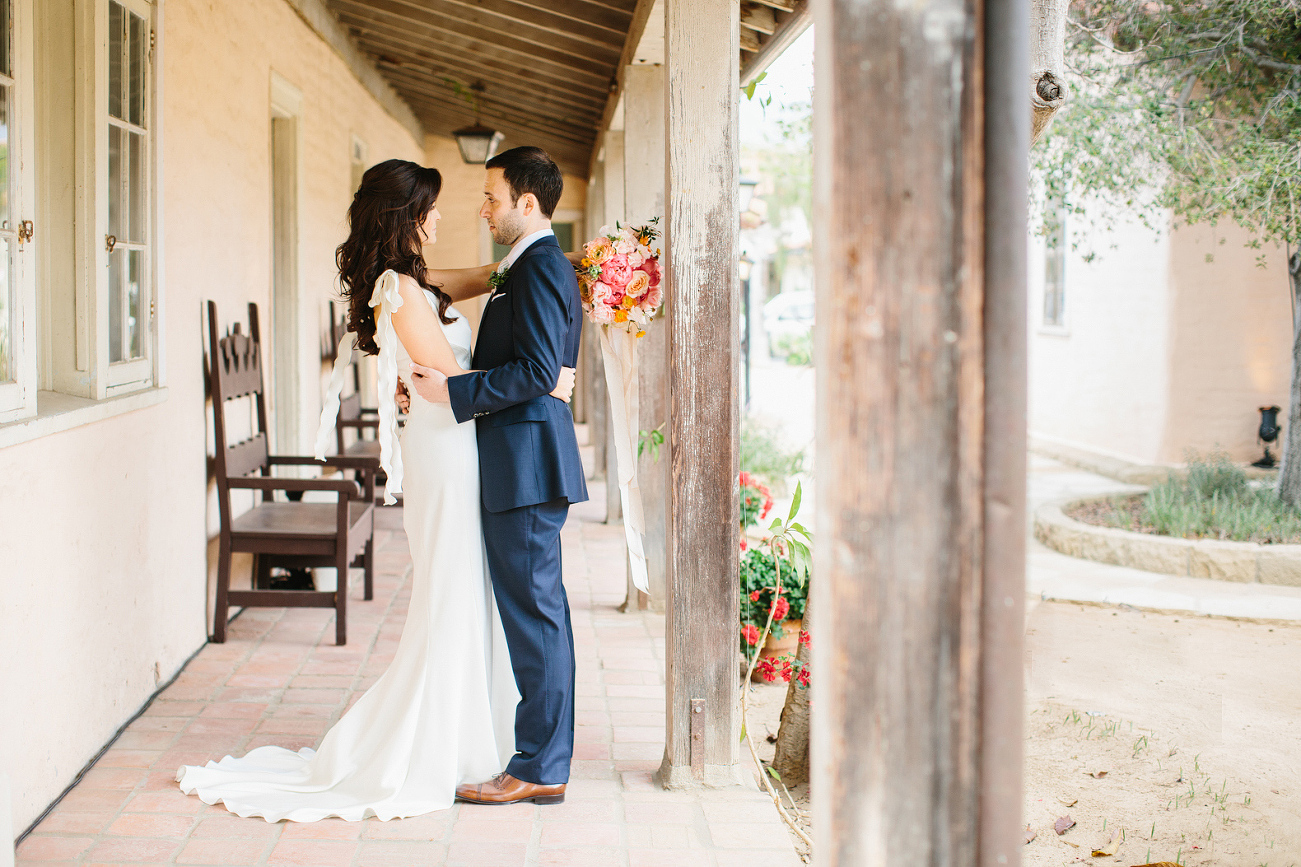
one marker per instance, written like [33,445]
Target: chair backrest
[235,371]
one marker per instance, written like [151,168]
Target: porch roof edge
[315,14]
[791,30]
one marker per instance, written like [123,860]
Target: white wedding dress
[444,711]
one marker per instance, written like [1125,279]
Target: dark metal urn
[1268,433]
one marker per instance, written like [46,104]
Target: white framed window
[124,286]
[18,369]
[1055,267]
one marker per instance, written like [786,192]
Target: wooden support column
[598,401]
[702,739]
[920,351]
[643,183]
[614,212]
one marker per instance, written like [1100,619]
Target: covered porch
[280,680]
[919,574]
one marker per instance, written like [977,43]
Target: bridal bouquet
[619,280]
[619,277]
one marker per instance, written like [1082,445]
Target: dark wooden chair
[285,534]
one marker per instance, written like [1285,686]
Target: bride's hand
[565,387]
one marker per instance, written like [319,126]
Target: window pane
[116,142]
[115,305]
[135,315]
[116,36]
[6,22]
[6,313]
[6,100]
[136,186]
[139,50]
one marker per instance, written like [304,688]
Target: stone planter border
[1241,562]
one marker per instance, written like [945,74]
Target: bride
[444,711]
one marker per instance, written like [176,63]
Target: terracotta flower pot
[787,645]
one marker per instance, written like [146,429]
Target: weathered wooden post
[919,580]
[613,208]
[598,401]
[643,180]
[702,738]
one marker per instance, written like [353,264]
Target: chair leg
[341,594]
[222,608]
[369,562]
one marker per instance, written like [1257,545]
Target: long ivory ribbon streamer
[384,300]
[619,350]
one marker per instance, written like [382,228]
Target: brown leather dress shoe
[505,789]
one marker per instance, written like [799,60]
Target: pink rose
[654,297]
[602,294]
[603,315]
[635,258]
[652,268]
[616,271]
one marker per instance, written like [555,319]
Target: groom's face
[506,220]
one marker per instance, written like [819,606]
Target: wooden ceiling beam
[486,39]
[497,80]
[380,38]
[783,5]
[510,15]
[611,18]
[498,115]
[790,26]
[758,18]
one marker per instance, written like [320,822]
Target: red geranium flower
[754,597]
[803,677]
[804,637]
[750,633]
[780,609]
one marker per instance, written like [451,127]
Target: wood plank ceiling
[547,68]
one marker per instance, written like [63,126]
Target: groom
[529,466]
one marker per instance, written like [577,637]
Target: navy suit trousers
[524,559]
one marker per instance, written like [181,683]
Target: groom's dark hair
[531,170]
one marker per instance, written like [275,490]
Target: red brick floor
[279,679]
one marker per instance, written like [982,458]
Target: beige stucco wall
[107,526]
[463,240]
[1163,352]
[1230,342]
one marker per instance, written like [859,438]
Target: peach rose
[639,283]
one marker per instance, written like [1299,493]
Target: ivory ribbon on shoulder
[385,299]
[619,350]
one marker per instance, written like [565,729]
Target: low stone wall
[1243,562]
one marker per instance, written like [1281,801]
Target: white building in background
[1166,344]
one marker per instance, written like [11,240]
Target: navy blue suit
[530,472]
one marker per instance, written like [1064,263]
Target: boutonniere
[498,279]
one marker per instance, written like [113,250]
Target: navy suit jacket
[528,453]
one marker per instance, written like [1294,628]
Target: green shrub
[797,349]
[764,457]
[1217,501]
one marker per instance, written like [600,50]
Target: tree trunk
[792,757]
[1047,63]
[1289,477]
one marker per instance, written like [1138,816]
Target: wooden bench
[280,534]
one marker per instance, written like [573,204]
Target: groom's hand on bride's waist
[429,383]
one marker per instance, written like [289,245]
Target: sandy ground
[1195,721]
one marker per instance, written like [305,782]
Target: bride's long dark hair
[384,222]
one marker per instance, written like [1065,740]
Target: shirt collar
[520,246]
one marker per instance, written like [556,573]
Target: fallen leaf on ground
[1071,803]
[1110,848]
[1029,834]
[1064,824]
[1158,864]
[1097,775]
